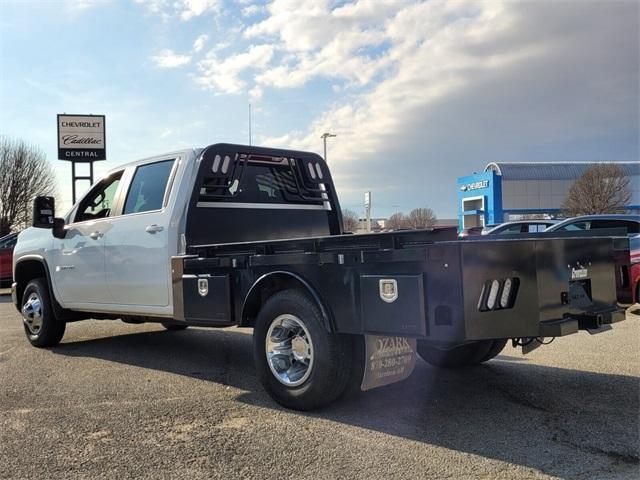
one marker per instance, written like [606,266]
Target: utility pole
[324,137]
[367,210]
[249,124]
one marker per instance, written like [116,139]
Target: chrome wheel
[289,350]
[32,313]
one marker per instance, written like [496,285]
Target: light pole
[324,137]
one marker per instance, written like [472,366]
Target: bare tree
[421,218]
[603,188]
[350,220]
[397,221]
[24,174]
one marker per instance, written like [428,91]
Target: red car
[6,259]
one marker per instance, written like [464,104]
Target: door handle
[96,235]
[153,228]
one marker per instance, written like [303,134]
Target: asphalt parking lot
[135,401]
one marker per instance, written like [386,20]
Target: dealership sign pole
[81,139]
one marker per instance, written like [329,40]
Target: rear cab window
[256,181]
[148,187]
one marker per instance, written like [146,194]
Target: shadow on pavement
[507,409]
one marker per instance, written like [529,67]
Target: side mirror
[58,228]
[43,212]
[44,216]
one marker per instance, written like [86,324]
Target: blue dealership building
[506,191]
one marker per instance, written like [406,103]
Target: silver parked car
[591,222]
[520,226]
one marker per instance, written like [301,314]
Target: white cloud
[157,7]
[220,46]
[256,92]
[169,59]
[423,84]
[195,8]
[343,43]
[200,42]
[185,9]
[251,10]
[464,83]
[225,75]
[80,5]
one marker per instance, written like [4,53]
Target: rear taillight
[498,294]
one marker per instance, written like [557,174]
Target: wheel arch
[26,269]
[269,284]
[29,267]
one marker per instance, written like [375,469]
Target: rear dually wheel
[301,365]
[458,356]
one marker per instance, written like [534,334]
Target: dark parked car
[6,258]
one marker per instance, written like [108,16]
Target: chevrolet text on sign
[81,138]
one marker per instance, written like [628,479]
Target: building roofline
[497,165]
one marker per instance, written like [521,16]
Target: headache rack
[297,177]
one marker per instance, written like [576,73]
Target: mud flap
[387,360]
[532,345]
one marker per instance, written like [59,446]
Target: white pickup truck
[240,235]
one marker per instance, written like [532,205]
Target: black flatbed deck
[442,281]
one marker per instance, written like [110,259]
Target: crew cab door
[136,246]
[78,259]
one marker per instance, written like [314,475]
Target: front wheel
[41,326]
[301,365]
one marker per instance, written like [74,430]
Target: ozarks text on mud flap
[388,360]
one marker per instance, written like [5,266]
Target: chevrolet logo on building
[475,185]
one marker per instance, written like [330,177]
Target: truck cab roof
[186,153]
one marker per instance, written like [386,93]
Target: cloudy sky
[418,92]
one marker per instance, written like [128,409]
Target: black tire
[174,326]
[455,357]
[329,371]
[358,364]
[482,349]
[45,330]
[496,347]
